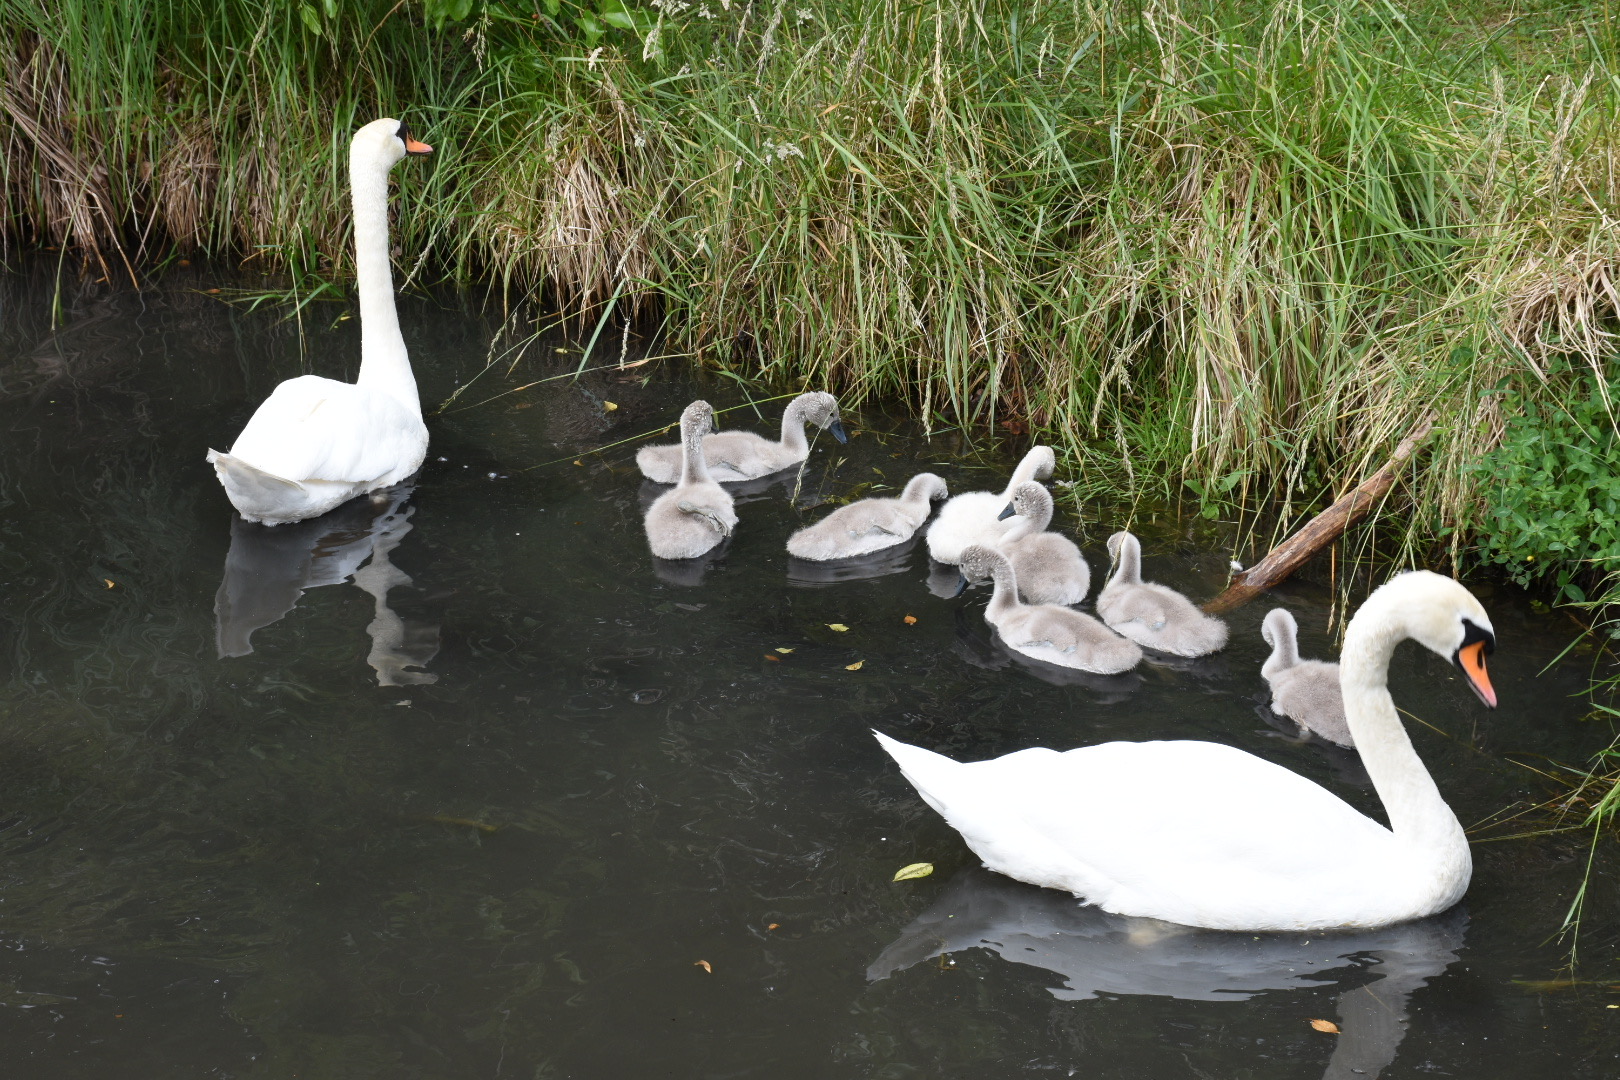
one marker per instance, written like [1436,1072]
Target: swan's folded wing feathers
[312,428]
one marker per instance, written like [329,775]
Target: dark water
[479,809]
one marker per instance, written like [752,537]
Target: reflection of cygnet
[743,455]
[1305,691]
[1050,569]
[869,525]
[696,514]
[973,517]
[1153,615]
[1058,635]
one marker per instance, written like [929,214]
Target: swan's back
[1241,844]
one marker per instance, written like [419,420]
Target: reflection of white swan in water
[268,569]
[1098,953]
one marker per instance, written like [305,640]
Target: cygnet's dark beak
[837,429]
[1007,513]
[961,585]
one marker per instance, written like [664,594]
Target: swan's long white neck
[694,467]
[384,363]
[1417,813]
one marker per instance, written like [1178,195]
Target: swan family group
[1190,832]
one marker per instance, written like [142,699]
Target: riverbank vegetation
[1241,247]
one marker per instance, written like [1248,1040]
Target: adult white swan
[1208,835]
[316,442]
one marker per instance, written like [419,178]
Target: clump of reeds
[1249,246]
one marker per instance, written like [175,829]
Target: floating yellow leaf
[910,620]
[838,626]
[856,666]
[1325,1025]
[915,870]
[783,651]
[704,964]
[111,584]
[773,926]
[579,462]
[609,406]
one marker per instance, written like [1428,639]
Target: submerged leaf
[704,964]
[608,406]
[915,870]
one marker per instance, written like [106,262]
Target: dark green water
[270,865]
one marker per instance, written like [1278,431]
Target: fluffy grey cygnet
[869,525]
[696,514]
[1305,691]
[971,517]
[1049,568]
[1153,615]
[1058,635]
[742,455]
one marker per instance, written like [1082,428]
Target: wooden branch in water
[1320,531]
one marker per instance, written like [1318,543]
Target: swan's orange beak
[1471,660]
[417,146]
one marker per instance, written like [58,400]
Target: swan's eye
[1473,633]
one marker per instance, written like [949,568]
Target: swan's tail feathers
[930,773]
[256,494]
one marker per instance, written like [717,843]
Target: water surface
[460,784]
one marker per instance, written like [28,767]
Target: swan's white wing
[1192,832]
[312,428]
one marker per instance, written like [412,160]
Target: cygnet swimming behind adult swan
[696,514]
[1049,567]
[974,517]
[869,525]
[1305,691]
[1219,838]
[1154,616]
[314,442]
[743,455]
[1057,635]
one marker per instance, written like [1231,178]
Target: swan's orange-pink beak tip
[1471,658]
[417,146]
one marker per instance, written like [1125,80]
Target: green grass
[1244,245]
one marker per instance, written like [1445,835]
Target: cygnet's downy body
[696,514]
[743,455]
[869,525]
[1049,568]
[974,517]
[1305,691]
[1152,615]
[1057,635]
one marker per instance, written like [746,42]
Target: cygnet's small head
[1119,543]
[925,484]
[1441,615]
[979,563]
[385,142]
[1278,626]
[1042,461]
[698,417]
[821,409]
[710,515]
[1029,500]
